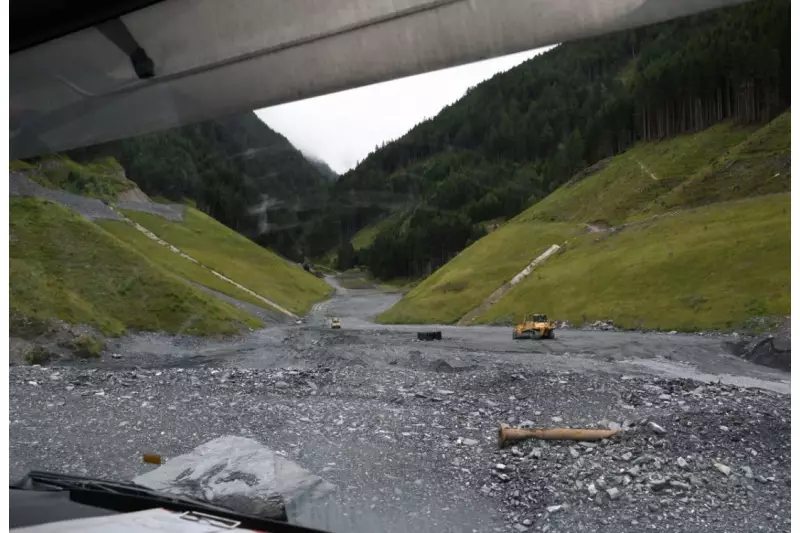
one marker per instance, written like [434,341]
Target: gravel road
[406,430]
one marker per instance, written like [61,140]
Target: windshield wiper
[128,497]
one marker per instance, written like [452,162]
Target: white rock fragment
[724,469]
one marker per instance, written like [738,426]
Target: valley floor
[406,430]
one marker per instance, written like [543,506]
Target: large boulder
[243,475]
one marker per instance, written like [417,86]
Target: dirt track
[406,429]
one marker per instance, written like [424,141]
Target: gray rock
[470,442]
[556,419]
[626,456]
[556,508]
[240,474]
[680,485]
[748,472]
[613,493]
[682,462]
[527,522]
[724,469]
[724,428]
[500,467]
[592,489]
[656,428]
[536,453]
[520,527]
[657,484]
[574,452]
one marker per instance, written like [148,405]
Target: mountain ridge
[513,139]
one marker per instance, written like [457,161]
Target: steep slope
[238,258]
[627,191]
[66,267]
[714,267]
[187,287]
[177,264]
[322,167]
[513,139]
[234,168]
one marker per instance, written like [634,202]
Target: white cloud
[342,128]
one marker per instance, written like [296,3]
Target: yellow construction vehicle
[534,326]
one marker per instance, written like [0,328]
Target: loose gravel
[407,430]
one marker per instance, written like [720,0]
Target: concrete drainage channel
[506,287]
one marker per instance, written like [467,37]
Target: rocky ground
[407,431]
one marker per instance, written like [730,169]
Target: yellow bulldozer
[534,326]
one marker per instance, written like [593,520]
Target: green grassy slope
[723,163]
[238,258]
[365,237]
[707,268]
[476,272]
[64,267]
[759,165]
[630,182]
[175,263]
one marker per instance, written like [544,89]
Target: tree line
[235,168]
[516,137]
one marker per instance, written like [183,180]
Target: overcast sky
[342,128]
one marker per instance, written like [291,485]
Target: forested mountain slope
[513,139]
[236,169]
[686,233]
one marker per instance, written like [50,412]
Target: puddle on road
[668,369]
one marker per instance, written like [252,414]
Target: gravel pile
[21,185]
